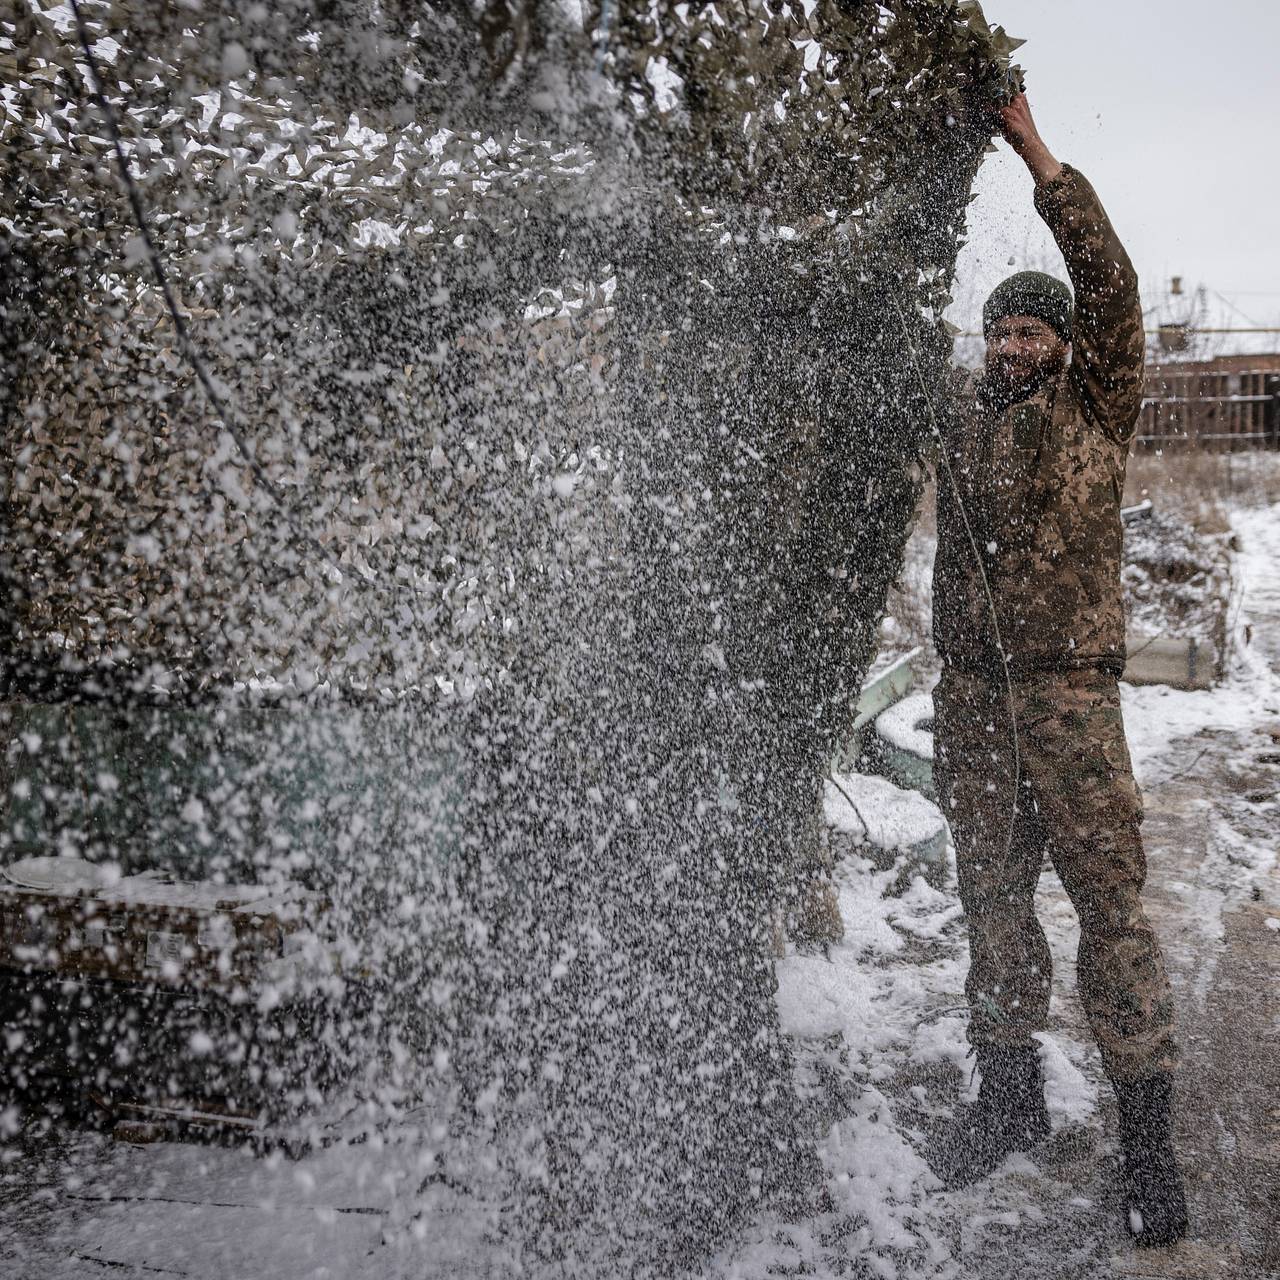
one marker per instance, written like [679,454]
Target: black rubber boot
[1154,1201]
[1009,1116]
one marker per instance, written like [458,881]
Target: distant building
[1229,402]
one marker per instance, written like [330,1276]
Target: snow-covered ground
[885,1009]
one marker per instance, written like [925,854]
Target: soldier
[1032,755]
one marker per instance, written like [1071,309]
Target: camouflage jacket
[1041,480]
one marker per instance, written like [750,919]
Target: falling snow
[456,459]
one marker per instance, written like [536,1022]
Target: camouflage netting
[557,454]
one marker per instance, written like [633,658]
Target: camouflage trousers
[1078,804]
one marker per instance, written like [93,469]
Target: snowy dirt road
[881,1058]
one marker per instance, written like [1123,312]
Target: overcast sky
[1172,108]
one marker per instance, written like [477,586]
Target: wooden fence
[1211,409]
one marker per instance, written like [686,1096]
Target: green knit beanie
[1031,293]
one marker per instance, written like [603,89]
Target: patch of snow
[1156,717]
[887,1011]
[902,724]
[872,809]
[1257,530]
[150,891]
[60,874]
[1069,1093]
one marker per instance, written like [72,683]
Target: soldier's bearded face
[1022,354]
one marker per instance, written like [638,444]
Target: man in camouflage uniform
[1029,553]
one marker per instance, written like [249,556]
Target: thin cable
[185,342]
[1178,773]
[982,574]
[1232,305]
[857,813]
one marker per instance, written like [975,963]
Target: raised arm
[1109,344]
